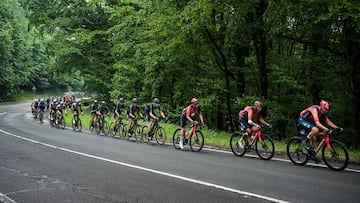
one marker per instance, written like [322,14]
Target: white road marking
[5,199]
[204,183]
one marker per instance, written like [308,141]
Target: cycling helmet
[156,100]
[325,105]
[258,105]
[121,100]
[134,101]
[103,102]
[194,101]
[61,102]
[95,101]
[55,100]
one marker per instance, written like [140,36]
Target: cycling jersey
[42,105]
[150,108]
[248,112]
[102,109]
[59,108]
[133,109]
[93,108]
[75,107]
[191,110]
[119,107]
[312,114]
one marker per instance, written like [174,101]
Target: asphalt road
[39,163]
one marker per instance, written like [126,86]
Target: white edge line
[6,199]
[151,170]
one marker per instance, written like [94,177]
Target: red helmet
[325,105]
[258,105]
[194,101]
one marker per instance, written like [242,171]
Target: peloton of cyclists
[150,114]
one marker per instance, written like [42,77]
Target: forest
[228,53]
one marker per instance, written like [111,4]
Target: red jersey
[191,110]
[248,112]
[313,114]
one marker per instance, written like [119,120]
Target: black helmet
[134,100]
[122,100]
[156,100]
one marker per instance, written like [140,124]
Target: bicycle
[195,136]
[119,128]
[156,131]
[60,121]
[333,152]
[264,145]
[101,125]
[135,129]
[76,123]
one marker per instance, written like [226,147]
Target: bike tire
[336,157]
[296,151]
[41,116]
[137,133]
[62,123]
[73,125]
[160,135]
[144,134]
[105,128]
[97,127]
[265,148]
[176,138]
[111,131]
[79,125]
[197,141]
[236,149]
[91,127]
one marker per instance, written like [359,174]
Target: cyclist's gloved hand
[328,131]
[339,129]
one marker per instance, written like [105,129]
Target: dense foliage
[289,54]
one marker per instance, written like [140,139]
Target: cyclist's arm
[261,119]
[188,112]
[152,115]
[201,117]
[315,116]
[332,125]
[250,116]
[162,114]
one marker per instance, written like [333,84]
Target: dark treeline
[288,54]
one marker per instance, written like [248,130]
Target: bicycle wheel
[265,148]
[137,133]
[105,128]
[296,151]
[160,135]
[79,125]
[176,138]
[41,116]
[144,134]
[197,141]
[336,156]
[98,125]
[238,148]
[111,131]
[73,125]
[62,123]
[91,126]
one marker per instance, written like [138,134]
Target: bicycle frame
[192,131]
[325,140]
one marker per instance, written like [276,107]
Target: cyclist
[309,120]
[53,110]
[102,108]
[132,109]
[150,113]
[59,111]
[120,106]
[42,105]
[34,107]
[75,109]
[246,116]
[93,109]
[188,114]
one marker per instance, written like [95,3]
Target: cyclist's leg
[116,118]
[309,127]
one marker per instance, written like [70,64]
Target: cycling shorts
[244,124]
[183,120]
[304,124]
